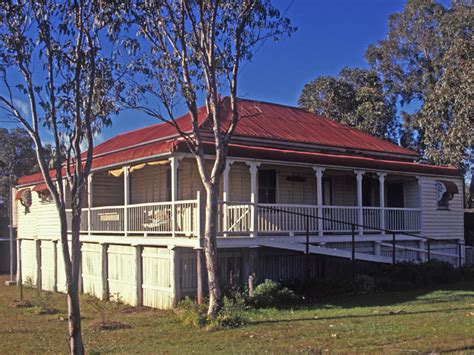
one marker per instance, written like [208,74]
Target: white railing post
[420,203]
[382,200]
[126,197]
[89,203]
[319,199]
[253,168]
[174,163]
[199,224]
[225,197]
[360,220]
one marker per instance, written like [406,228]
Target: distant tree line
[418,88]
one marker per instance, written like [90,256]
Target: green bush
[408,276]
[319,290]
[273,294]
[363,284]
[439,272]
[231,315]
[191,313]
[467,272]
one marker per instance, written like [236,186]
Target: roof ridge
[328,119]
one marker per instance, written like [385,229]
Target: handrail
[356,224]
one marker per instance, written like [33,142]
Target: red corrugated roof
[265,121]
[131,154]
[146,135]
[40,187]
[337,160]
[260,120]
[274,121]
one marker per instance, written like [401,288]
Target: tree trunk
[210,249]
[72,263]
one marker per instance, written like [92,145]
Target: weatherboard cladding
[264,121]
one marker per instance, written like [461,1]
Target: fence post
[428,243]
[353,250]
[394,254]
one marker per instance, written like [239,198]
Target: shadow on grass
[460,349]
[359,316]
[462,291]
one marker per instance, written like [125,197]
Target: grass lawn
[439,320]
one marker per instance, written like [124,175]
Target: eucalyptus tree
[54,56]
[354,97]
[426,60]
[189,50]
[18,157]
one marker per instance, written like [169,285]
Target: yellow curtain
[116,172]
[119,172]
[159,162]
[137,167]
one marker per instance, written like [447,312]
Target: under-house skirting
[159,277]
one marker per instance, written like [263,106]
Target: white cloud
[98,138]
[22,106]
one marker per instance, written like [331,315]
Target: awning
[451,187]
[40,187]
[20,193]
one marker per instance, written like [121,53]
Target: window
[267,186]
[442,196]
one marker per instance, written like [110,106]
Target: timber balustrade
[145,218]
[236,218]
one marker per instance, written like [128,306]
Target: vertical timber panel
[28,262]
[121,273]
[61,272]
[156,271]
[92,269]
[47,265]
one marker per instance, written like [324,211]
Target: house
[295,183]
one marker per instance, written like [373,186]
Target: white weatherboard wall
[47,265]
[92,269]
[28,261]
[122,273]
[157,285]
[438,223]
[41,220]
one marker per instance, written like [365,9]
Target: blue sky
[331,35]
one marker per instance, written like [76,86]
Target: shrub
[436,272]
[231,314]
[191,313]
[318,290]
[467,272]
[408,276]
[363,284]
[273,294]
[105,310]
